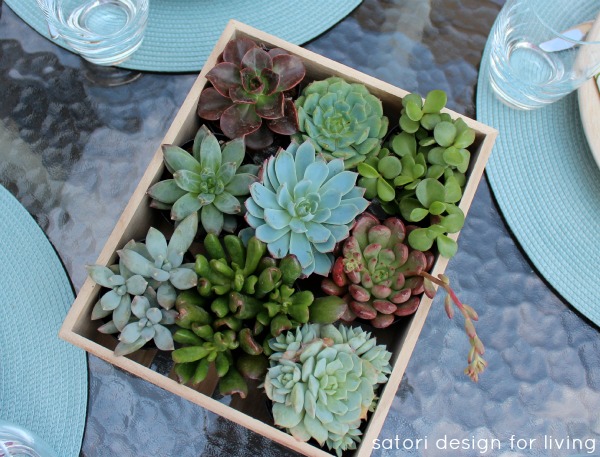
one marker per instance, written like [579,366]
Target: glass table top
[72,150]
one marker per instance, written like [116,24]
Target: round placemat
[181,33]
[43,380]
[547,185]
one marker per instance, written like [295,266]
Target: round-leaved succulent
[322,382]
[304,206]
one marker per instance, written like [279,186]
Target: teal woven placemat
[547,185]
[43,380]
[182,33]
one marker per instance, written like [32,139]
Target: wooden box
[137,217]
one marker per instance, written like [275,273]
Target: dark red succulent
[248,93]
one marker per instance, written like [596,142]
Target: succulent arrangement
[246,305]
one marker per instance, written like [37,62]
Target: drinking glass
[525,72]
[17,441]
[104,32]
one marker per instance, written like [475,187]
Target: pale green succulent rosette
[123,285]
[149,321]
[304,206]
[322,382]
[342,120]
[162,263]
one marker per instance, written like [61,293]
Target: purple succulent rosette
[249,87]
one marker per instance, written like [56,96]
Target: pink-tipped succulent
[380,278]
[378,275]
[248,96]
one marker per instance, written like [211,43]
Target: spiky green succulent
[209,181]
[304,206]
[147,321]
[245,284]
[322,381]
[162,262]
[249,94]
[378,275]
[342,120]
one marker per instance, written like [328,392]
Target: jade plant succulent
[249,92]
[378,275]
[420,174]
[437,201]
[342,120]
[322,381]
[304,205]
[209,181]
[162,262]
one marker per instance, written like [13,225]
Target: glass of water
[541,50]
[104,32]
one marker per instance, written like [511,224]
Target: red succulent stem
[476,363]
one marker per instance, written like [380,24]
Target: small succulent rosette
[342,120]
[211,182]
[377,274]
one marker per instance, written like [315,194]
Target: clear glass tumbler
[527,70]
[104,32]
[15,441]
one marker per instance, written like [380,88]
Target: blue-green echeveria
[343,120]
[322,382]
[304,206]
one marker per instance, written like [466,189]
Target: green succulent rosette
[304,205]
[322,382]
[211,182]
[342,120]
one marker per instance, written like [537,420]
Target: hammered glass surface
[72,151]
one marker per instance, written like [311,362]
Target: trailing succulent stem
[477,364]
